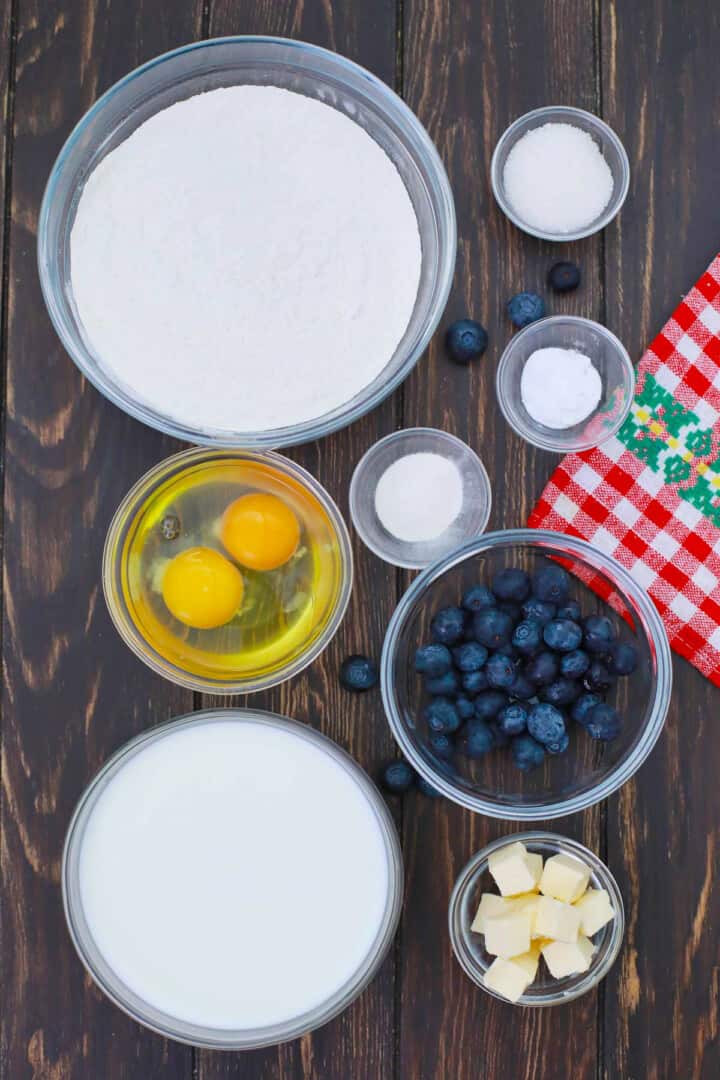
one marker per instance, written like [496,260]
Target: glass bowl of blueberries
[526,675]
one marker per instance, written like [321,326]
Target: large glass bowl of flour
[247,242]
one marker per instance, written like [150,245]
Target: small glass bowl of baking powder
[569,181]
[418,494]
[569,334]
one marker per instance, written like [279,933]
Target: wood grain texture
[661,94]
[361,1041]
[469,70]
[72,693]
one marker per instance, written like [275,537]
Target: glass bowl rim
[317,427]
[578,549]
[345,995]
[531,434]
[563,844]
[617,199]
[398,436]
[125,626]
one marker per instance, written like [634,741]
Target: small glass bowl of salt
[565,383]
[418,494]
[560,173]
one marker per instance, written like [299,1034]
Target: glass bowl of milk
[232,879]
[565,383]
[248,242]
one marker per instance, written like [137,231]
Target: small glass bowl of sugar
[565,383]
[418,494]
[560,173]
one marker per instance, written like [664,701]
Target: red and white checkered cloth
[650,496]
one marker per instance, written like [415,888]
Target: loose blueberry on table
[358,673]
[465,340]
[525,308]
[517,664]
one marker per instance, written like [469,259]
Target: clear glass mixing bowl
[590,770]
[232,61]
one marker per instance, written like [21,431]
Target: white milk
[233,874]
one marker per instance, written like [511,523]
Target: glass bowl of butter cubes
[536,919]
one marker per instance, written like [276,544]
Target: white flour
[247,259]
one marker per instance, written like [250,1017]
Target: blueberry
[465,340]
[562,635]
[425,788]
[442,716]
[563,277]
[500,671]
[512,720]
[511,608]
[442,746]
[443,685]
[511,584]
[489,703]
[560,746]
[510,651]
[474,681]
[546,724]
[465,707]
[170,527]
[538,611]
[598,633]
[574,664]
[598,677]
[358,673]
[570,610]
[493,628]
[561,692]
[433,660]
[397,776]
[522,688]
[478,598]
[470,656]
[603,722]
[527,753]
[527,637]
[500,739]
[448,626]
[542,669]
[524,308]
[583,705]
[551,584]
[477,739]
[623,658]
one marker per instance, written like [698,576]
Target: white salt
[560,387]
[556,179]
[419,496]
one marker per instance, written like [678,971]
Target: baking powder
[560,387]
[247,259]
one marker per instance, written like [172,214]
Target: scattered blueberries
[358,673]
[527,753]
[564,277]
[433,660]
[465,340]
[562,635]
[397,777]
[448,626]
[524,308]
[512,667]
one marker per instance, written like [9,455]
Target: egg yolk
[260,531]
[202,588]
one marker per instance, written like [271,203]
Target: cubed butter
[564,958]
[530,960]
[595,911]
[511,871]
[528,903]
[564,878]
[507,978]
[556,920]
[535,864]
[508,935]
[490,904]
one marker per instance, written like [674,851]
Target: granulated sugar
[247,259]
[556,179]
[419,496]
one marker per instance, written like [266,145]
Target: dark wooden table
[73,692]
